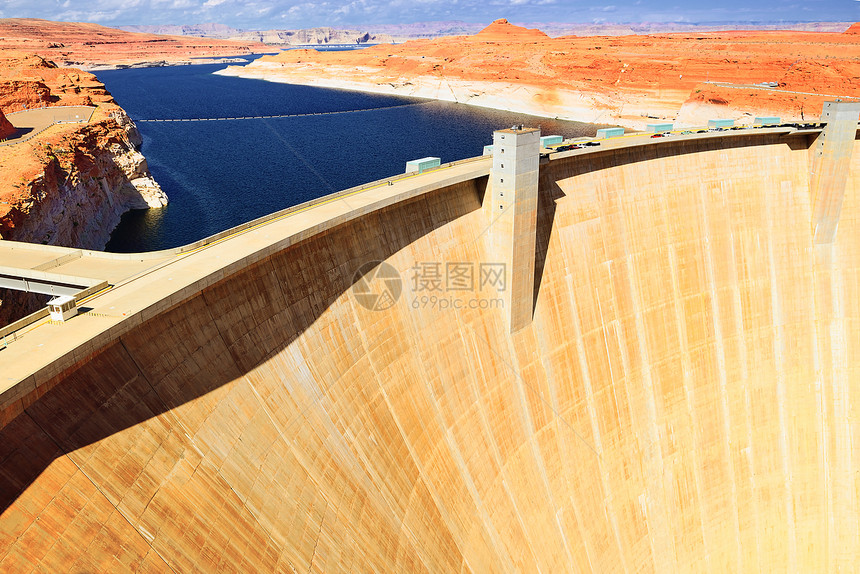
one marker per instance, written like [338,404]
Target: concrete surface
[512,216]
[831,162]
[684,400]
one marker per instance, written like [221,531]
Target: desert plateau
[626,80]
[92,46]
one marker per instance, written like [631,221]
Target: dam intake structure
[674,393]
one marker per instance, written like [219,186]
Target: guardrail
[314,202]
[691,130]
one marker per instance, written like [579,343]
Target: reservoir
[219,174]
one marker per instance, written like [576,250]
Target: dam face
[683,400]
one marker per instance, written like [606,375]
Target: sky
[268,14]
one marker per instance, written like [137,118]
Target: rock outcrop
[503,31]
[79,185]
[70,184]
[6,127]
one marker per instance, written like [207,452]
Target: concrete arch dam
[684,399]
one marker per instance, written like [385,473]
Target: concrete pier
[831,158]
[514,177]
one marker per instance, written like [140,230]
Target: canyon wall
[322,36]
[69,184]
[81,185]
[682,401]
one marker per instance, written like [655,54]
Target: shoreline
[632,109]
[193,61]
[99,67]
[566,105]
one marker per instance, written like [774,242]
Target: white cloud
[262,14]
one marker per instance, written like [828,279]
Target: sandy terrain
[629,80]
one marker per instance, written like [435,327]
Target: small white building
[62,308]
[423,164]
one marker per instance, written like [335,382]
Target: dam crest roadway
[679,398]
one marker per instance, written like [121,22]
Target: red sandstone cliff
[69,184]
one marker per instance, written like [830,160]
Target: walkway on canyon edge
[31,123]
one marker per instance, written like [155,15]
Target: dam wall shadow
[681,402]
[135,385]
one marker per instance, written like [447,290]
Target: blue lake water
[219,174]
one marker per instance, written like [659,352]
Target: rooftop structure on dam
[637,356]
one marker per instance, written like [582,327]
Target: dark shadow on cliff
[18,134]
[16,305]
[212,338]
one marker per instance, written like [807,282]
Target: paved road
[32,122]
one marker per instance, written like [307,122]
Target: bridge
[679,398]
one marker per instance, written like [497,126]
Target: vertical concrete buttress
[831,161]
[514,188]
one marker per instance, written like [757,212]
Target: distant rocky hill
[397,33]
[626,80]
[402,32]
[311,36]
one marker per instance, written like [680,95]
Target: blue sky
[262,14]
